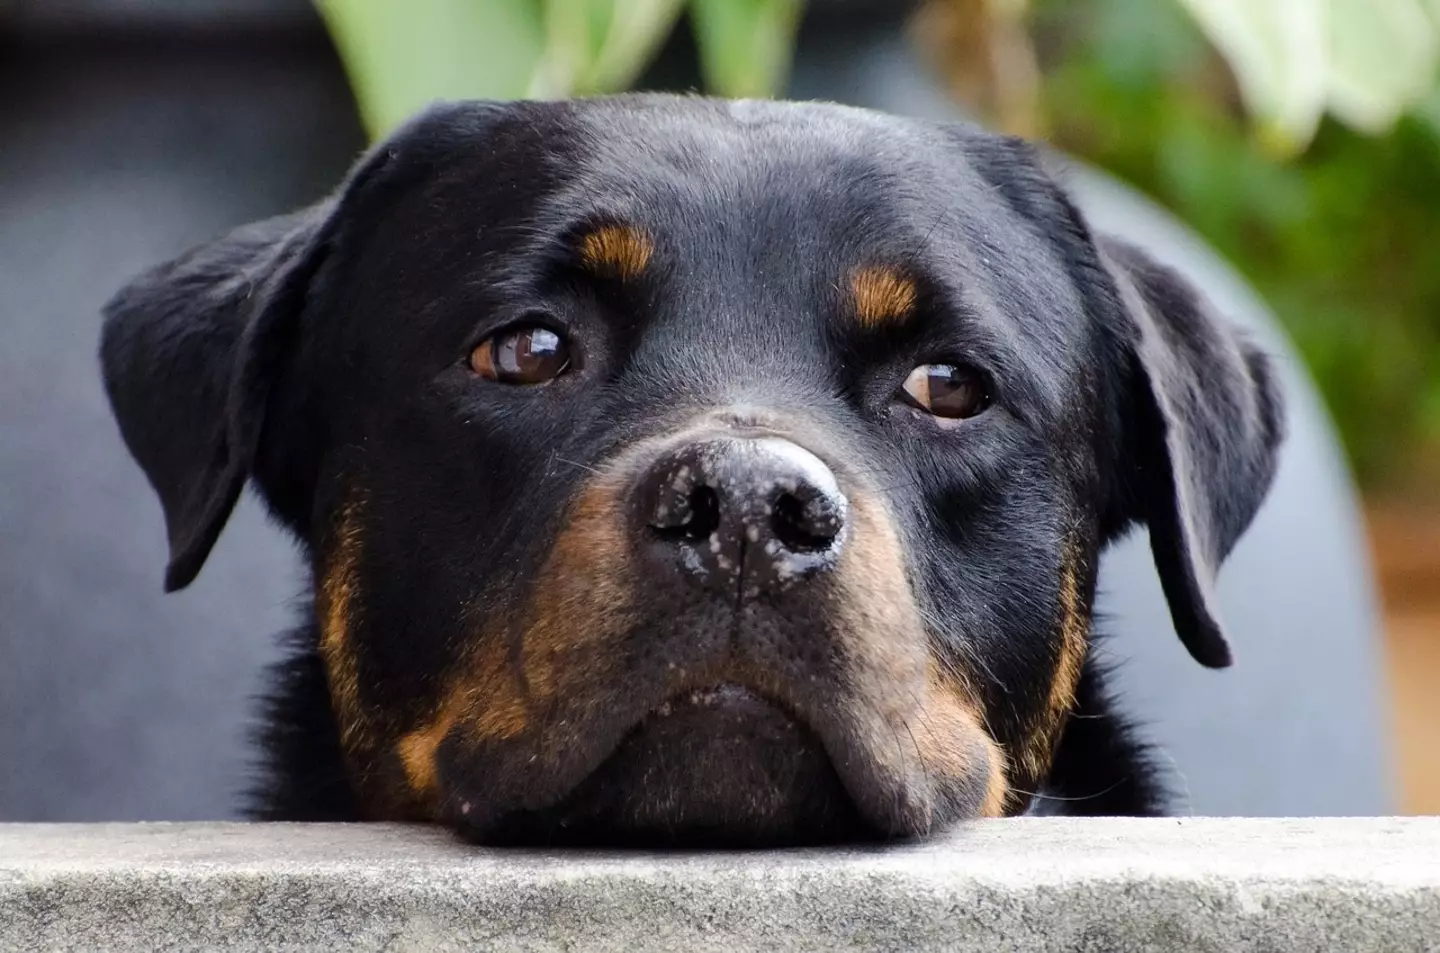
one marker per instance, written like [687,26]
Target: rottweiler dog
[682,471]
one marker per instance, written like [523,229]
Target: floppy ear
[189,352]
[1203,419]
[192,351]
[1200,411]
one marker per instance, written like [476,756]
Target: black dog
[683,471]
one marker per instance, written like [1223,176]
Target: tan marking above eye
[882,294]
[616,251]
[951,391]
[525,355]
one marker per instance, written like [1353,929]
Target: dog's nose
[747,515]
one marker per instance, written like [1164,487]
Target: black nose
[746,515]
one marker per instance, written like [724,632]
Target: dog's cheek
[1070,637]
[525,693]
[969,767]
[366,728]
[583,601]
[905,698]
[339,611]
[486,703]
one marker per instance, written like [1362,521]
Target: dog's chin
[716,767]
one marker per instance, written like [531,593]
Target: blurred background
[1286,154]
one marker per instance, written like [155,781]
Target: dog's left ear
[1202,422]
[1197,404]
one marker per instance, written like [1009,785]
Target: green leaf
[601,46]
[1382,60]
[745,45]
[1277,51]
[1365,61]
[1428,112]
[402,56]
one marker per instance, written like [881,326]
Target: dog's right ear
[189,352]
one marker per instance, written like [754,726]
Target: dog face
[687,470]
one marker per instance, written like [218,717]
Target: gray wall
[117,702]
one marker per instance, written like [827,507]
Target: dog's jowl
[682,471]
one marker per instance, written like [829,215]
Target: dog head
[686,469]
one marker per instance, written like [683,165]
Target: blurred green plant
[1341,238]
[401,56]
[1364,61]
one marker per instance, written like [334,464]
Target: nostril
[704,512]
[740,515]
[696,517]
[805,526]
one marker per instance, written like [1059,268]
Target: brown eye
[528,355]
[952,391]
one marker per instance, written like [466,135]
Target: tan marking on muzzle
[616,251]
[882,294]
[953,714]
[580,600]
[489,694]
[921,706]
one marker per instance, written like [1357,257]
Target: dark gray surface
[65,15]
[117,702]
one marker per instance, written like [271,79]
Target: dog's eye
[947,390]
[525,355]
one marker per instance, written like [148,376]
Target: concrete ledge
[1032,884]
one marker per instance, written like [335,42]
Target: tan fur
[337,613]
[908,703]
[882,294]
[616,251]
[584,593]
[997,788]
[1074,642]
[488,694]
[416,752]
[1039,748]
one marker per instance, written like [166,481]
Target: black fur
[326,357]
[1101,767]
[302,769]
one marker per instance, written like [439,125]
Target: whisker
[1184,781]
[964,648]
[1060,797]
[920,761]
[578,465]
